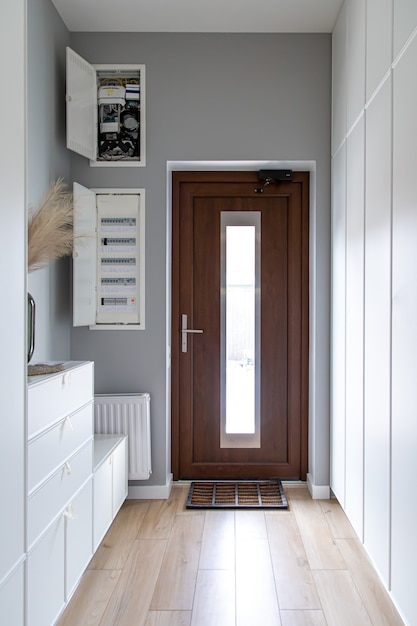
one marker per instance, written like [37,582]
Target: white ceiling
[230,16]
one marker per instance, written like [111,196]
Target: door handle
[185,331]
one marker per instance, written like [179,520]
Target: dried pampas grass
[50,227]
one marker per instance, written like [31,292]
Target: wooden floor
[161,565]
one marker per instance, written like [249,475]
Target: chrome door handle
[185,331]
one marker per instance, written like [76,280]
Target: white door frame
[319,419]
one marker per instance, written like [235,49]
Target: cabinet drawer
[102,499]
[55,396]
[51,449]
[45,577]
[52,496]
[79,536]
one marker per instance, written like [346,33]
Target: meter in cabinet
[109,258]
[106,112]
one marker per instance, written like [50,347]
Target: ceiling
[222,16]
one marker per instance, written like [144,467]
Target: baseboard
[150,492]
[318,492]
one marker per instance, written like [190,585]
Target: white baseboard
[318,492]
[151,492]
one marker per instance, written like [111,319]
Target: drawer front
[79,537]
[58,395]
[46,577]
[47,501]
[51,449]
[102,498]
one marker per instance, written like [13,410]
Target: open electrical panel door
[81,106]
[109,258]
[84,263]
[105,112]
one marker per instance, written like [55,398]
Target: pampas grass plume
[50,227]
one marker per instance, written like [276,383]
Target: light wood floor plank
[374,596]
[159,517]
[218,546]
[321,549]
[339,525]
[160,583]
[129,603]
[214,601]
[250,525]
[303,618]
[175,586]
[294,581]
[296,493]
[116,545]
[168,618]
[342,604]
[90,599]
[256,600]
[183,491]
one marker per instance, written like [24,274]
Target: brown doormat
[240,494]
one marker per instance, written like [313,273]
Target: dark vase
[31,326]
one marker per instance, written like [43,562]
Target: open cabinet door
[81,106]
[84,256]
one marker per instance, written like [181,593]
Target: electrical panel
[109,258]
[105,112]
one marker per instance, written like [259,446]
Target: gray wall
[48,159]
[210,97]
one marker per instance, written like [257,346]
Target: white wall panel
[339,81]
[378,330]
[405,21]
[355,192]
[337,470]
[13,288]
[404,336]
[378,42]
[355,60]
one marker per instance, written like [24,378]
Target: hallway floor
[161,565]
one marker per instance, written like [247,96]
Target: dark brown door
[200,202]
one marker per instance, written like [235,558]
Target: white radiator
[127,414]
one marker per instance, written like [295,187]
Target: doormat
[241,494]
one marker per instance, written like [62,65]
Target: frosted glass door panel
[240,319]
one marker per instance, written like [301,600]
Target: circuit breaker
[109,258]
[105,112]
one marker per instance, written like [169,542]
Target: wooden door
[198,450]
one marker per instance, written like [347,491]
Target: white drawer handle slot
[68,422]
[66,379]
[67,468]
[69,512]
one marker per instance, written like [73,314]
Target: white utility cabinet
[105,111]
[109,258]
[60,482]
[76,484]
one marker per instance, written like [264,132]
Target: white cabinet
[109,258]
[77,483]
[106,112]
[110,481]
[60,478]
